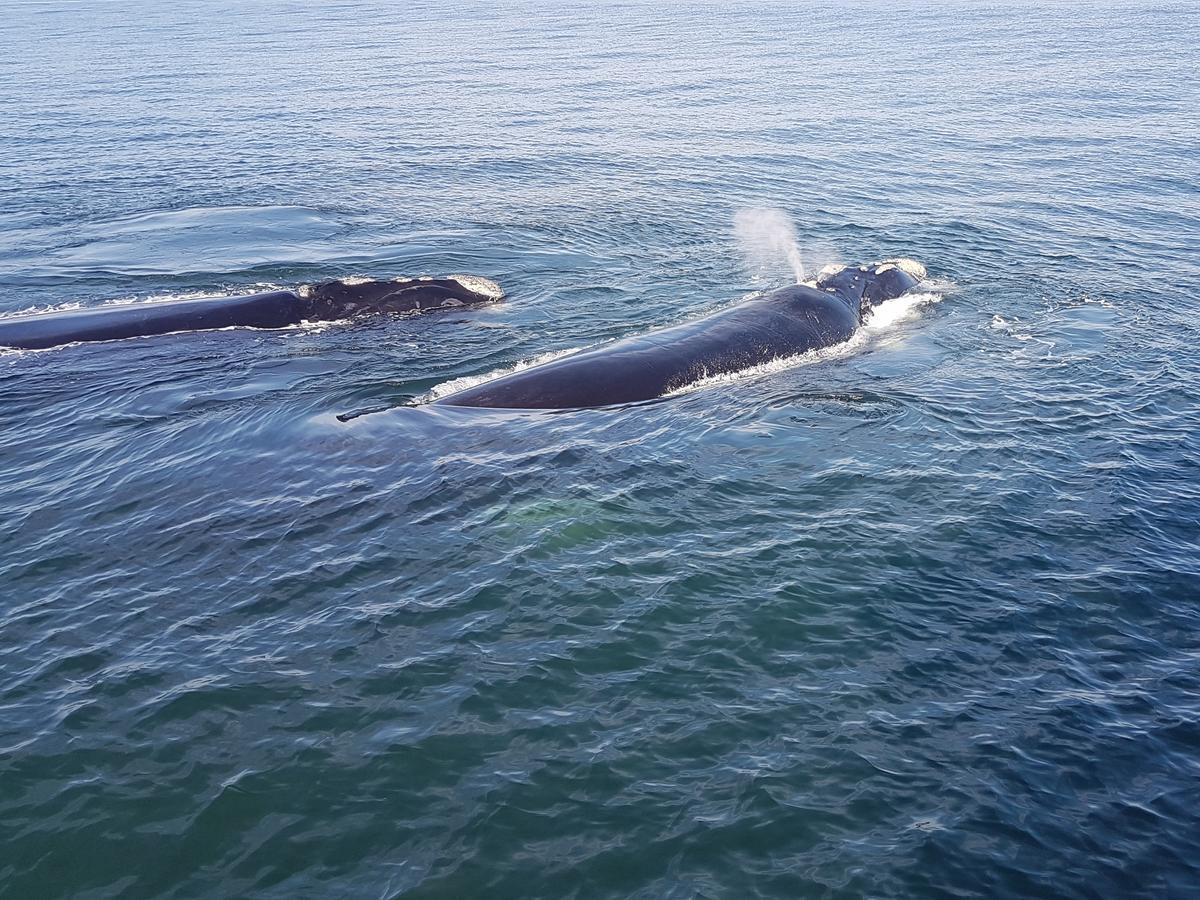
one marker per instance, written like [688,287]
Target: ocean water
[919,618]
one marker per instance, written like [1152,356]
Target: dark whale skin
[325,302]
[783,323]
[111,322]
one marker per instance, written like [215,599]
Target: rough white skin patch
[479,285]
[909,266]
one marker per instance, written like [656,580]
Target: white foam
[446,388]
[901,309]
[38,310]
[906,265]
[779,364]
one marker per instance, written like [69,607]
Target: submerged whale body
[783,323]
[329,301]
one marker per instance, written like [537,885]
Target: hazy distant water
[919,620]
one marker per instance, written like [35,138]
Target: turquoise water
[921,618]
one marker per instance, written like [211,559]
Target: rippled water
[919,619]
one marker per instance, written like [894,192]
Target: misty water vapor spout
[767,239]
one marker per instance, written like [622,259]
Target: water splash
[768,242]
[900,309]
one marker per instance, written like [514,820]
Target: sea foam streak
[901,309]
[446,388]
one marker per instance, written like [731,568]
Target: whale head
[872,284]
[348,297]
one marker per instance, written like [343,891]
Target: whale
[771,326]
[340,299]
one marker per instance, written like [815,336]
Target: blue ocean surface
[919,617]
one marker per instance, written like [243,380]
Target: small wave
[469,381]
[40,310]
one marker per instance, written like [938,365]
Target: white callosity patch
[909,266]
[477,284]
[824,275]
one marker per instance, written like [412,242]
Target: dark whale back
[331,300]
[784,323]
[868,285]
[113,321]
[780,324]
[349,297]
